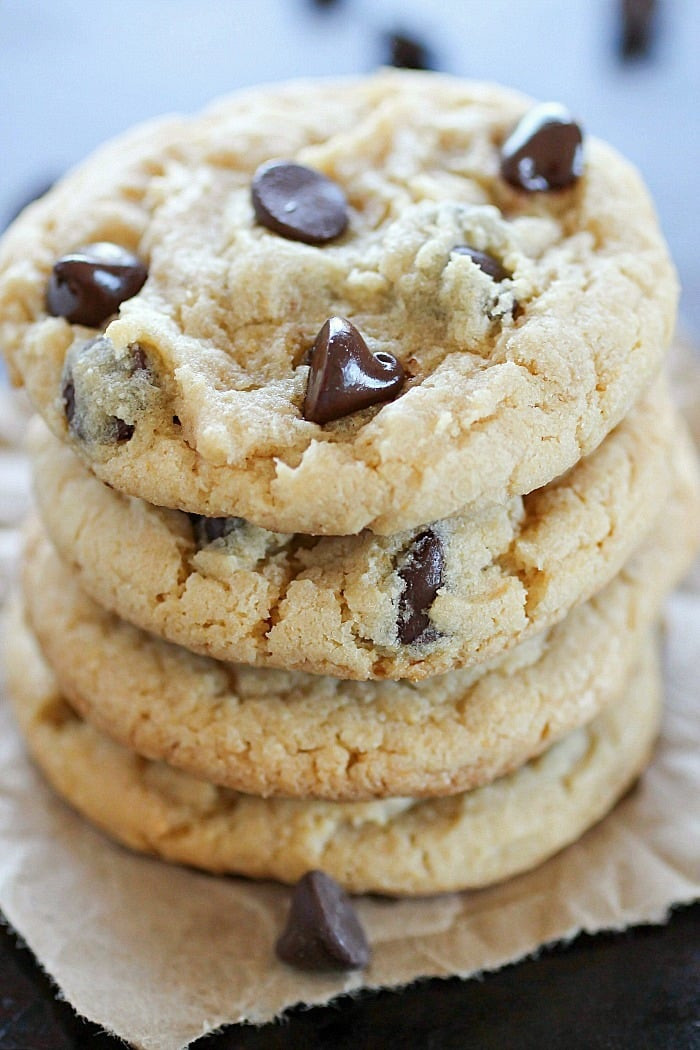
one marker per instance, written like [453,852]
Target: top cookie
[473,333]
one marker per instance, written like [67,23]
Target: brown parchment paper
[161,955]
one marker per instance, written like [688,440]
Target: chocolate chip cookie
[308,736]
[334,306]
[399,846]
[407,606]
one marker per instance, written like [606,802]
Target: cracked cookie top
[369,303]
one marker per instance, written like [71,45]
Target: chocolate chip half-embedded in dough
[485,262]
[87,286]
[206,530]
[346,376]
[544,151]
[422,573]
[323,931]
[68,398]
[298,202]
[122,431]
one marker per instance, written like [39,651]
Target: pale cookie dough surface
[331,605]
[398,846]
[285,733]
[500,400]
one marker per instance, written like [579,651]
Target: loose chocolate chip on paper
[87,286]
[323,931]
[298,202]
[206,530]
[422,573]
[544,151]
[485,262]
[345,375]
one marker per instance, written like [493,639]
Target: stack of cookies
[359,484]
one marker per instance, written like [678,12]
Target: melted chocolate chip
[97,383]
[323,931]
[345,375]
[406,52]
[544,151]
[206,530]
[122,431]
[87,286]
[638,24]
[421,572]
[298,202]
[114,430]
[485,262]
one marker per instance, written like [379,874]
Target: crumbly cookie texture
[508,382]
[398,846]
[332,605]
[305,736]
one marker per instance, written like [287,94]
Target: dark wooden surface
[637,990]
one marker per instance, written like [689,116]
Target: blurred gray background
[73,73]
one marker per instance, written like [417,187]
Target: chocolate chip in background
[323,931]
[88,285]
[405,51]
[298,203]
[490,266]
[638,21]
[345,375]
[206,530]
[421,571]
[544,151]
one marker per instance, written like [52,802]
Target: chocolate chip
[544,151]
[88,285]
[122,431]
[485,262]
[298,202]
[421,572]
[206,530]
[638,19]
[323,931]
[68,397]
[139,361]
[345,375]
[406,52]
